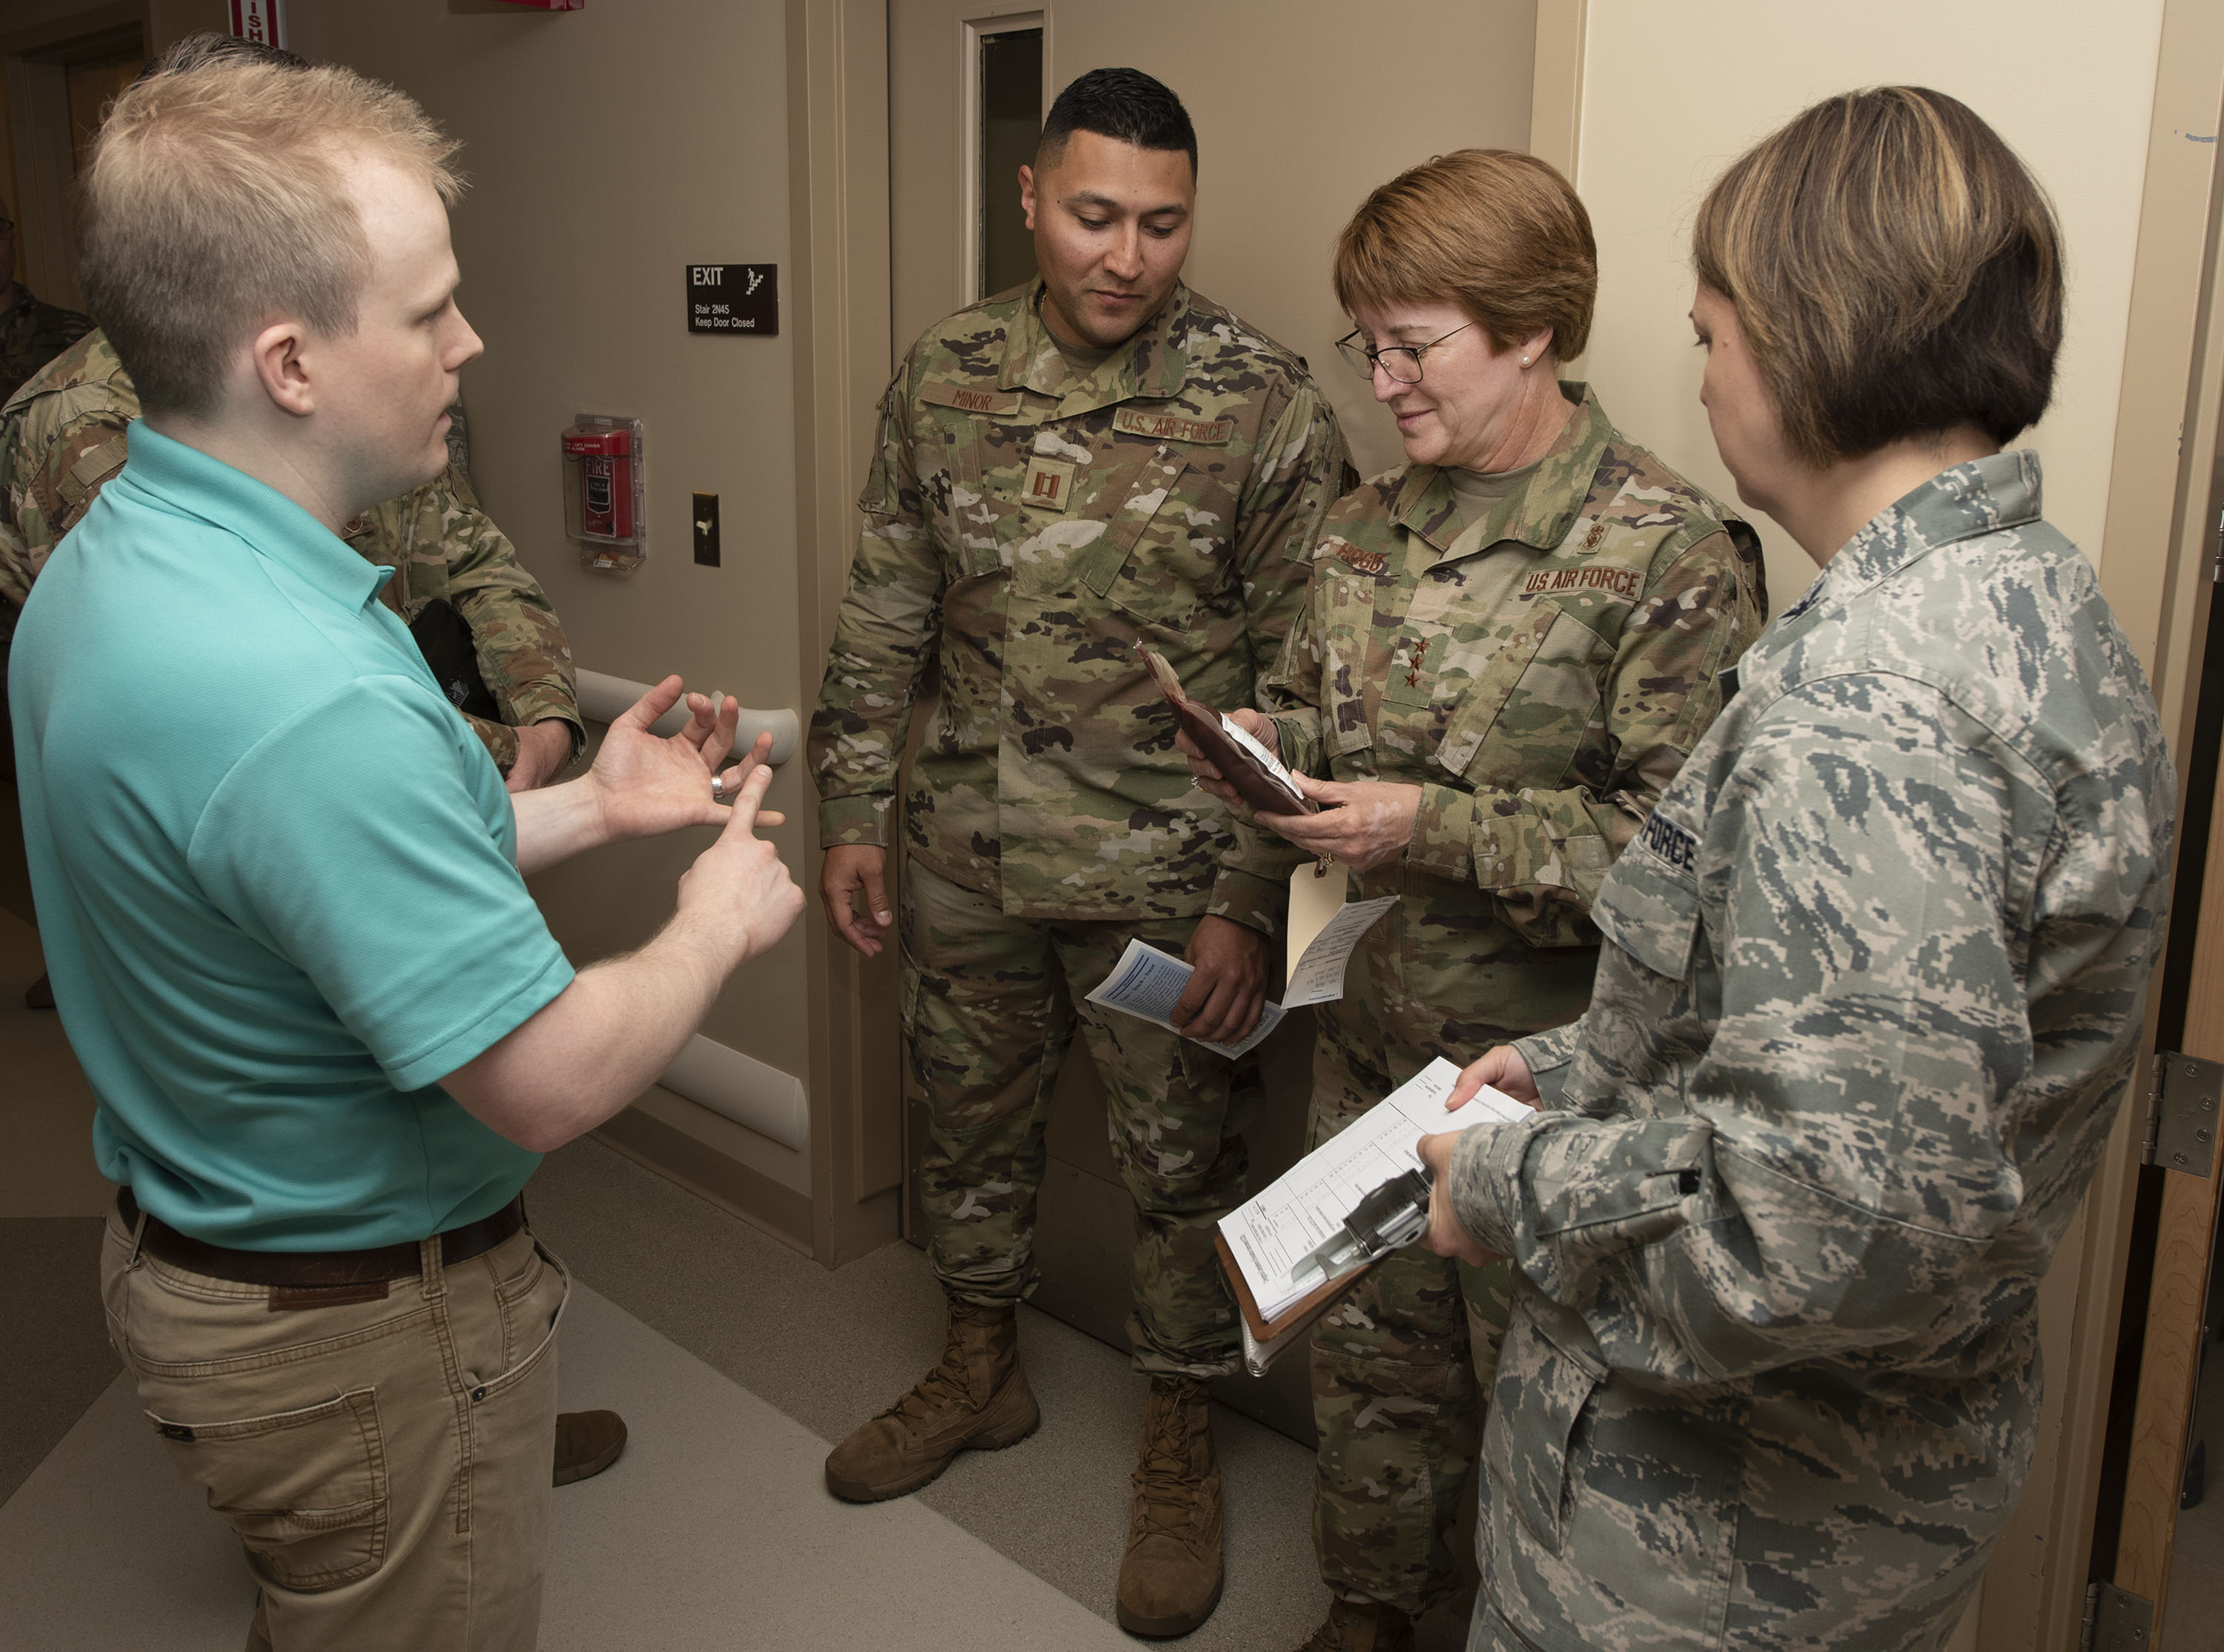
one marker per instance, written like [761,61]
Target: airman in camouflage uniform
[1029,527]
[1032,519]
[1540,673]
[1873,974]
[62,436]
[31,332]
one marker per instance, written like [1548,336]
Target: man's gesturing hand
[738,892]
[644,785]
[848,870]
[1221,1003]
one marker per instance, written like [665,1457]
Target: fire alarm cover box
[603,495]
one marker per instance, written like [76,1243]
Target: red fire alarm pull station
[603,493]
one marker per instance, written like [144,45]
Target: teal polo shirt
[276,872]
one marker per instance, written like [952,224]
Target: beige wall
[1673,89]
[607,149]
[1290,146]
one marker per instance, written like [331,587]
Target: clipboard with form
[1267,1244]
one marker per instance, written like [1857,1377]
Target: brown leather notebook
[1253,781]
[1298,1313]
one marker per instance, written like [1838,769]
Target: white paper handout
[1266,758]
[1148,983]
[1274,1235]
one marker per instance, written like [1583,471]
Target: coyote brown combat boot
[1169,1580]
[977,1399]
[1362,1626]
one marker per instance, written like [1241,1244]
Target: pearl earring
[1524,361]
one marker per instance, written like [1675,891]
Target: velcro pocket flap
[1158,482]
[1486,694]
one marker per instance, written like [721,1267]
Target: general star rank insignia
[1049,484]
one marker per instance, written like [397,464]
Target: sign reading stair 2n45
[733,298]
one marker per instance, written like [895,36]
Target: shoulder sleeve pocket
[1647,906]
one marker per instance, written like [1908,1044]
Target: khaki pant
[386,1464]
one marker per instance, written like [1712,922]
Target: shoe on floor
[1170,1577]
[40,994]
[977,1399]
[1362,1626]
[587,1442]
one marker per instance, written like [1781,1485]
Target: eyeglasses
[1401,362]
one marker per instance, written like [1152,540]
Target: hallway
[735,1361]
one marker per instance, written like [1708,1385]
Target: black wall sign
[733,298]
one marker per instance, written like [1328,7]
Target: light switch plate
[706,529]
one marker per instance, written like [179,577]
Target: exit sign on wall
[259,21]
[734,298]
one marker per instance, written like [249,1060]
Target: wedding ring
[717,786]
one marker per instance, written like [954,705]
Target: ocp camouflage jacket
[1540,675]
[1027,530]
[1867,1009]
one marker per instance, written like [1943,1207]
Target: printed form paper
[1275,1235]
[1149,983]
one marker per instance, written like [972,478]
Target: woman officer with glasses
[1511,643]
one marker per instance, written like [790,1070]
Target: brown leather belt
[318,1269]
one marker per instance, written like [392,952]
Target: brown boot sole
[1161,1628]
[994,1438]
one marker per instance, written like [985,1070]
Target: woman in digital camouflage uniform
[1510,646]
[1873,974]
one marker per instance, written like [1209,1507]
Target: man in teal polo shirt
[282,903]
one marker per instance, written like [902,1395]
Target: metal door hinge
[2183,1108]
[2116,1620]
[2216,562]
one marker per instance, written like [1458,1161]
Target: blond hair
[1895,271]
[1499,233]
[218,198]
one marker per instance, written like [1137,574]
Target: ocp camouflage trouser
[1397,1369]
[989,1005]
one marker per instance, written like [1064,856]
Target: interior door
[1301,107]
[2162,1590]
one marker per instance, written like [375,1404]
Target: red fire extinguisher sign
[259,21]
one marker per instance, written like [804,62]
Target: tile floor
[735,1361]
